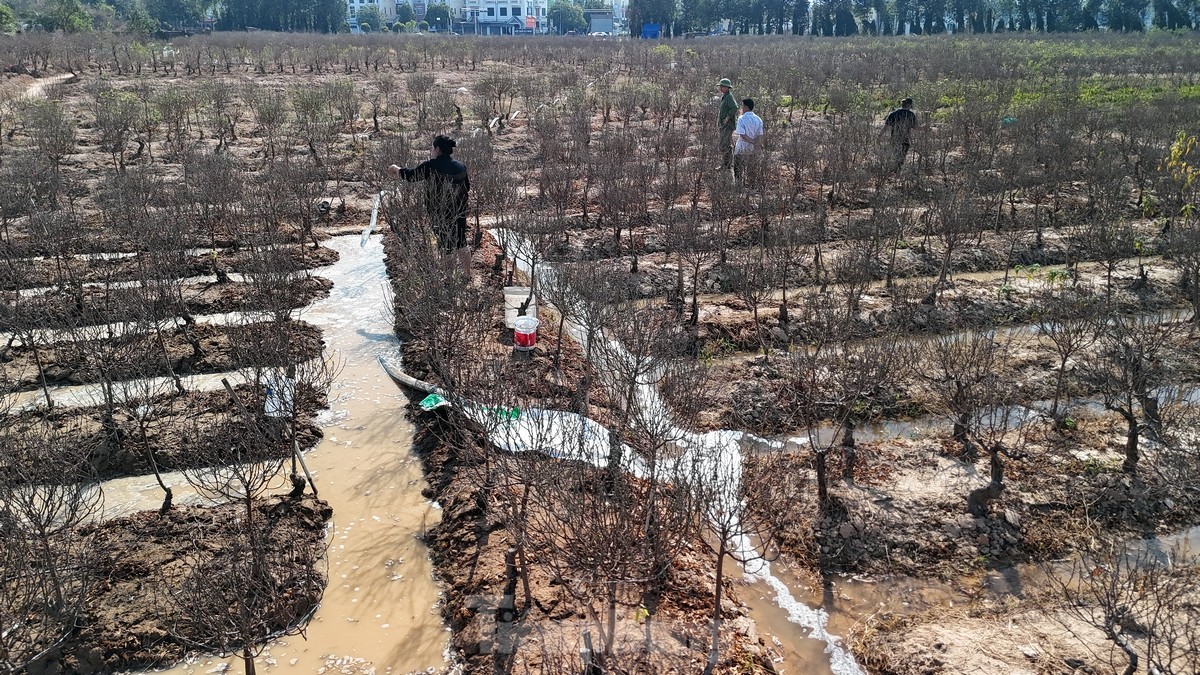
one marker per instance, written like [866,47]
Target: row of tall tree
[147,16]
[900,17]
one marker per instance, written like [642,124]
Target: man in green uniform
[727,122]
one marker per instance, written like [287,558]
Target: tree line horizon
[830,18]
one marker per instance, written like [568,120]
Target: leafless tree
[53,134]
[754,284]
[785,251]
[172,106]
[1068,320]
[237,597]
[735,532]
[47,489]
[270,109]
[1183,242]
[117,118]
[1110,241]
[1130,367]
[8,114]
[1141,599]
[964,375]
[833,384]
[315,123]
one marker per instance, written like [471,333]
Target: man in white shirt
[749,134]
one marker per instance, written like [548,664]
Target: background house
[387,8]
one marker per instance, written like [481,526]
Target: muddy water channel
[379,613]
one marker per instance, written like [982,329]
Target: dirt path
[37,88]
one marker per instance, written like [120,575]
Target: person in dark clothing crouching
[447,185]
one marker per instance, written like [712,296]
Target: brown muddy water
[380,609]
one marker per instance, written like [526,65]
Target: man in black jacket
[901,122]
[446,188]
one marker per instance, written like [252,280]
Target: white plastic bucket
[525,333]
[281,395]
[514,297]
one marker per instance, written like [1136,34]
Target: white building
[500,17]
[620,9]
[486,17]
[386,7]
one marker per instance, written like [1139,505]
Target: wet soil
[84,270]
[90,306]
[714,272]
[727,325]
[139,565]
[185,431]
[182,351]
[906,512]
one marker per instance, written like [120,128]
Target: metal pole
[304,465]
[255,428]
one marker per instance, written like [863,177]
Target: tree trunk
[248,659]
[610,638]
[715,649]
[1058,391]
[1131,445]
[822,479]
[849,453]
[783,306]
[562,320]
[960,428]
[978,500]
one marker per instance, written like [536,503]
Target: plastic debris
[432,402]
[507,414]
[366,233]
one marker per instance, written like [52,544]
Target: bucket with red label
[525,332]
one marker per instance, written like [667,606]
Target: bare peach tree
[1141,598]
[1131,368]
[47,489]
[236,597]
